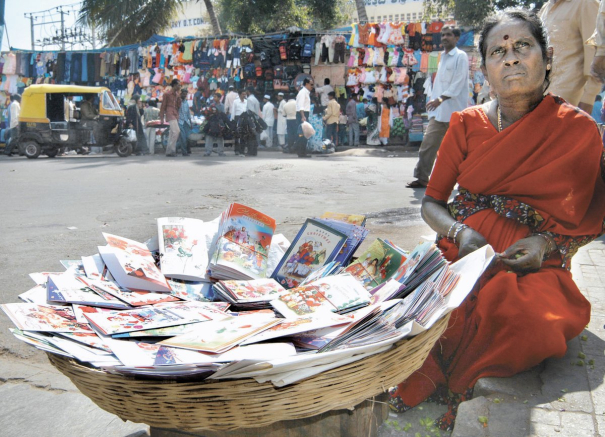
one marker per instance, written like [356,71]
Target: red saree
[542,173]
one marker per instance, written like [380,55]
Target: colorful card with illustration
[191,290]
[45,318]
[115,322]
[354,219]
[355,236]
[377,264]
[314,246]
[132,298]
[257,290]
[69,289]
[74,266]
[132,265]
[94,267]
[242,248]
[339,293]
[220,336]
[90,339]
[300,324]
[182,244]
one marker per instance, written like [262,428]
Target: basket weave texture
[243,403]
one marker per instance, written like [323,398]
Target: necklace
[499,119]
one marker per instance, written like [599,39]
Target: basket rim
[209,404]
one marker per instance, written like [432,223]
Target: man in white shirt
[239,106]
[303,108]
[323,92]
[229,99]
[269,117]
[280,128]
[254,106]
[449,94]
[291,124]
[13,110]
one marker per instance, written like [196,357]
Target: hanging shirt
[451,81]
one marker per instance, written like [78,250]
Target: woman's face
[514,62]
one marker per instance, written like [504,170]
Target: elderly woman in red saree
[530,171]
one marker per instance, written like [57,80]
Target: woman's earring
[548,66]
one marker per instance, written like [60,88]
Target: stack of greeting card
[196,300]
[242,247]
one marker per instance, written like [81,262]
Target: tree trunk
[216,27]
[361,11]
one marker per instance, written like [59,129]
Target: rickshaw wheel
[51,153]
[123,148]
[32,149]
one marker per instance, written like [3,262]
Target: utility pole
[60,9]
[31,20]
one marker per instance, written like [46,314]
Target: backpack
[278,72]
[295,49]
[268,74]
[307,50]
[283,50]
[259,71]
[269,86]
[265,59]
[249,71]
[291,71]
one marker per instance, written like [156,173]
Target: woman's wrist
[455,231]
[550,247]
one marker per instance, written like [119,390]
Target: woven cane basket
[243,403]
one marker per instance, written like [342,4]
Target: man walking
[215,130]
[449,94]
[254,106]
[13,112]
[237,109]
[331,117]
[303,108]
[570,24]
[291,124]
[281,120]
[151,113]
[170,110]
[352,121]
[269,117]
[184,124]
[133,120]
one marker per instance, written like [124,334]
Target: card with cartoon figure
[183,253]
[242,248]
[315,245]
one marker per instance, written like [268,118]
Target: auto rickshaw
[51,119]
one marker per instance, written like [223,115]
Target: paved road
[55,209]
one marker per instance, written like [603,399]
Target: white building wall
[192,20]
[393,11]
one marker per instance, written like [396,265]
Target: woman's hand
[469,240]
[526,254]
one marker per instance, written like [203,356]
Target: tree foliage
[122,22]
[263,16]
[474,12]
